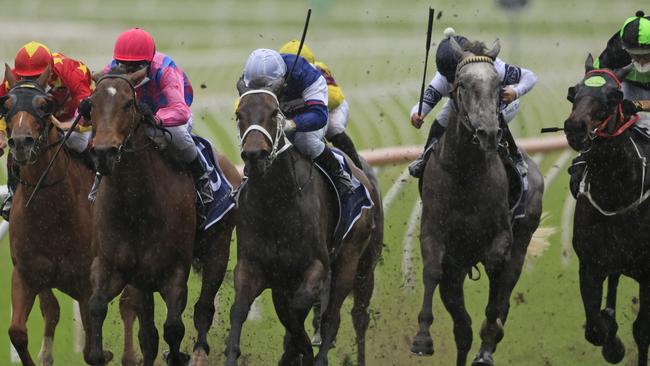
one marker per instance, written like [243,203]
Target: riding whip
[44,174]
[302,42]
[426,59]
[551,129]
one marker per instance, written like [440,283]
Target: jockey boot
[576,172]
[202,184]
[12,183]
[416,168]
[343,142]
[341,178]
[516,156]
[92,195]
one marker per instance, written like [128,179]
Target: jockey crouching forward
[629,45]
[337,106]
[70,82]
[168,94]
[309,124]
[516,81]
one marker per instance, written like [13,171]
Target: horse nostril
[481,132]
[254,154]
[11,143]
[29,142]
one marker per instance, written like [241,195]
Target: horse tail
[540,242]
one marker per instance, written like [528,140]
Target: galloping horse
[465,214]
[51,239]
[284,237]
[146,229]
[610,234]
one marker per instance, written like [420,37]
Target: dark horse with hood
[610,234]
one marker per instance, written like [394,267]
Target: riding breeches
[310,143]
[78,141]
[338,119]
[178,140]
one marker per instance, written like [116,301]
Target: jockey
[308,123]
[516,81]
[167,92]
[337,105]
[630,44]
[70,82]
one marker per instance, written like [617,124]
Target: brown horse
[146,227]
[50,239]
[284,238]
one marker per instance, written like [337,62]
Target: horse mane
[117,70]
[478,48]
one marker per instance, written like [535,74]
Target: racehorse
[610,235]
[51,239]
[285,237]
[466,217]
[146,228]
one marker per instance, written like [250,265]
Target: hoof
[613,352]
[316,340]
[422,345]
[108,356]
[199,358]
[184,359]
[483,359]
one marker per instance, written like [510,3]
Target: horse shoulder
[229,170]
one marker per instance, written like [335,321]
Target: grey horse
[466,217]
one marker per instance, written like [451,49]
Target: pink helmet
[134,44]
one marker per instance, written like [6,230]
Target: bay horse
[465,211]
[50,240]
[145,231]
[284,237]
[610,235]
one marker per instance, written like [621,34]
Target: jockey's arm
[315,114]
[517,80]
[438,88]
[642,105]
[176,112]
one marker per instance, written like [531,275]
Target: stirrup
[6,207]
[416,168]
[92,195]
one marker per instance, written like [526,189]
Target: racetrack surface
[375,49]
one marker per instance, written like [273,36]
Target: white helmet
[264,63]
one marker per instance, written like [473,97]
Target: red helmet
[134,44]
[32,59]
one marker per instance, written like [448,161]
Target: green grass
[375,49]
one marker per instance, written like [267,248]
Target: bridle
[135,125]
[279,131]
[456,95]
[24,95]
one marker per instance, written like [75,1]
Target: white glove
[289,126]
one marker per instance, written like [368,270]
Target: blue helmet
[446,61]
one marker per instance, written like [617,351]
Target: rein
[279,131]
[616,115]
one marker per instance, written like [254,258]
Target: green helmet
[635,34]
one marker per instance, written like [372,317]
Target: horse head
[476,92]
[597,106]
[115,115]
[261,124]
[27,110]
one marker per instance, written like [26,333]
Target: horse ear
[3,105]
[620,73]
[457,49]
[9,76]
[571,94]
[589,63]
[241,86]
[137,76]
[44,78]
[496,47]
[96,76]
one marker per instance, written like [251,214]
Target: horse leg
[521,237]
[148,334]
[591,290]
[214,260]
[492,328]
[364,285]
[107,285]
[316,339]
[297,347]
[249,283]
[432,254]
[453,297]
[641,327]
[174,293]
[613,349]
[128,314]
[50,311]
[22,300]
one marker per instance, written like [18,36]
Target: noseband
[279,131]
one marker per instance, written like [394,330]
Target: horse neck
[458,152]
[616,157]
[278,187]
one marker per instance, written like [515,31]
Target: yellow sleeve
[236,106]
[335,96]
[3,126]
